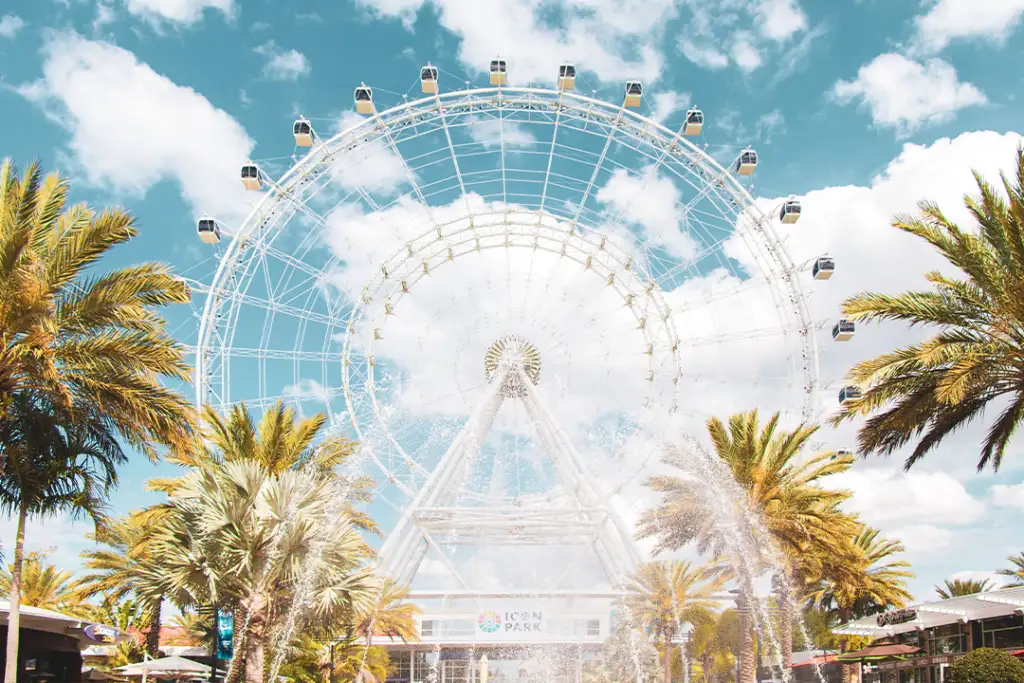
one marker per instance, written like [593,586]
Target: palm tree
[126,566]
[866,581]
[926,391]
[956,588]
[389,615]
[278,444]
[45,586]
[801,518]
[863,580]
[50,468]
[237,534]
[82,342]
[667,595]
[127,615]
[1015,573]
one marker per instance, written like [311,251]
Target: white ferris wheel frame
[669,150]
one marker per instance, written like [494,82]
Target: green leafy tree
[87,345]
[926,391]
[125,565]
[668,595]
[46,586]
[1016,571]
[50,468]
[955,588]
[987,665]
[800,517]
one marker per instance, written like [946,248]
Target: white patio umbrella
[165,667]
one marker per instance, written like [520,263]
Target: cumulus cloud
[180,12]
[282,64]
[946,21]
[905,95]
[614,39]
[131,128]
[1008,495]
[10,25]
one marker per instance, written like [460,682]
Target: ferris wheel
[537,250]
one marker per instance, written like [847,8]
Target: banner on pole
[225,634]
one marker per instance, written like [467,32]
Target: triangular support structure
[434,519]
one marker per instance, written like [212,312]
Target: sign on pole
[225,634]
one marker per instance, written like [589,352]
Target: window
[1003,633]
[401,667]
[948,639]
[427,627]
[593,627]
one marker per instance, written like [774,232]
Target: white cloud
[668,103]
[10,25]
[658,214]
[281,64]
[744,53]
[950,20]
[921,540]
[132,128]
[780,19]
[705,56]
[887,498]
[767,125]
[494,133]
[182,12]
[60,537]
[992,577]
[600,36]
[906,95]
[1005,495]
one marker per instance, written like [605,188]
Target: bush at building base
[987,665]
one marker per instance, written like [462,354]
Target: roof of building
[987,605]
[39,619]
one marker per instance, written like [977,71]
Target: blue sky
[860,107]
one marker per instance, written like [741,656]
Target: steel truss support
[435,519]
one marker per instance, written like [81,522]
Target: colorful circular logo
[489,621]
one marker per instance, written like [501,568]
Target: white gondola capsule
[790,212]
[566,77]
[364,99]
[251,177]
[823,267]
[499,71]
[694,122]
[843,330]
[208,230]
[303,131]
[848,395]
[634,91]
[746,163]
[428,79]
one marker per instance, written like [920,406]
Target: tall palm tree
[390,615]
[126,566]
[1015,573]
[868,580]
[926,391]
[278,443]
[955,588]
[77,340]
[92,347]
[237,534]
[46,586]
[782,487]
[669,594]
[865,579]
[51,468]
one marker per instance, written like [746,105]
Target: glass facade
[1003,633]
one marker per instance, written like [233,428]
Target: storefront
[935,634]
[51,644]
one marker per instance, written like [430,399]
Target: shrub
[986,665]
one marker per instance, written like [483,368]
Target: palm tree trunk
[255,639]
[785,598]
[668,659]
[14,616]
[155,622]
[748,663]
